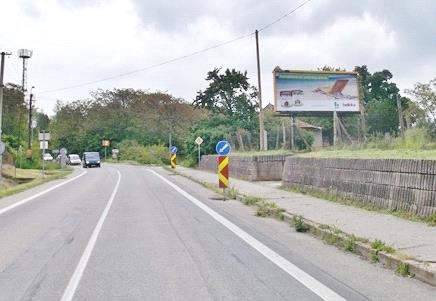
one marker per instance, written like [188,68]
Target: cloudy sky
[80,41]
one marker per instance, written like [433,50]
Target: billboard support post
[292,138]
[335,127]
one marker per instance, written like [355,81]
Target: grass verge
[50,176]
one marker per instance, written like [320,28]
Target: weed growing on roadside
[299,224]
[269,209]
[403,269]
[231,193]
[374,256]
[252,200]
[379,245]
[350,244]
[431,220]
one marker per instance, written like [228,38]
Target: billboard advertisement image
[315,91]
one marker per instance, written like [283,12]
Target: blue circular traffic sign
[173,149]
[223,148]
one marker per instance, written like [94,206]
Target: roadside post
[43,144]
[173,151]
[105,143]
[2,150]
[63,158]
[115,153]
[223,149]
[20,153]
[199,141]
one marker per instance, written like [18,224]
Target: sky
[81,41]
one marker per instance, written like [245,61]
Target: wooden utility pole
[29,141]
[2,71]
[259,85]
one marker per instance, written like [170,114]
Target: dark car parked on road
[91,159]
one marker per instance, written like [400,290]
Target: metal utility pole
[24,54]
[261,127]
[2,71]
[400,116]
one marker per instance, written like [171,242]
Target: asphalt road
[136,233]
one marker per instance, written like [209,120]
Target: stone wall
[253,168]
[408,185]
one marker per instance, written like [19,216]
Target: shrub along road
[141,233]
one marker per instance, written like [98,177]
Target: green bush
[304,140]
[151,154]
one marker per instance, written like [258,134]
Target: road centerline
[28,199]
[83,262]
[298,274]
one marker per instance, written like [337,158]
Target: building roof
[305,125]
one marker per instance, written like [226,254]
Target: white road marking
[83,262]
[298,274]
[224,148]
[22,202]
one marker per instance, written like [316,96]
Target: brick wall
[409,185]
[253,168]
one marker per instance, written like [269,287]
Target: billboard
[315,91]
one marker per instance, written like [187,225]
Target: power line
[151,66]
[284,16]
[177,58]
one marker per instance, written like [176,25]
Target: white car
[47,157]
[74,159]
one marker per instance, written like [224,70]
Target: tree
[230,94]
[425,95]
[380,97]
[15,112]
[119,115]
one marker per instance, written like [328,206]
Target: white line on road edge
[22,202]
[83,262]
[308,281]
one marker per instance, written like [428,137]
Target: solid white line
[83,262]
[22,202]
[308,281]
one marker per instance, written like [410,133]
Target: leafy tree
[15,112]
[42,121]
[230,94]
[425,95]
[121,114]
[380,97]
[212,129]
[381,117]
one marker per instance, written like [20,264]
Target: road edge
[413,267]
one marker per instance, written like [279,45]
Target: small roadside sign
[223,148]
[223,172]
[173,149]
[105,143]
[44,136]
[43,144]
[173,160]
[199,140]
